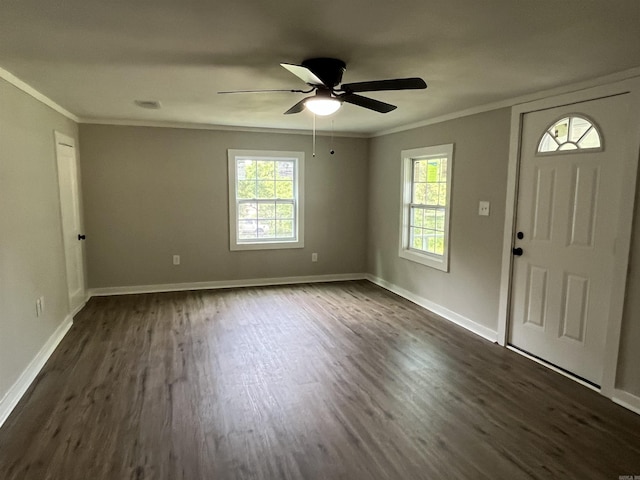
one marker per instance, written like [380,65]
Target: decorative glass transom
[570,133]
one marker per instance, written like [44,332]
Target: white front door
[71,220]
[567,213]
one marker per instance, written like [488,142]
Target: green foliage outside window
[266,196]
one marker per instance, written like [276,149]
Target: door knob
[518,251]
[81,237]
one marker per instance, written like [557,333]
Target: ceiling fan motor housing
[329,70]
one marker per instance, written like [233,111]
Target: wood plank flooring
[323,381]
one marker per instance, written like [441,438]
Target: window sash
[427,230]
[266,221]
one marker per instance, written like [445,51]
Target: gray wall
[31,250]
[150,193]
[480,159]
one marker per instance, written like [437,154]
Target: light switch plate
[483,209]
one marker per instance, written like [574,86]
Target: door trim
[624,224]
[62,139]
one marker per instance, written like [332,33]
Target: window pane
[266,210]
[432,193]
[590,140]
[246,169]
[266,170]
[440,220]
[430,241]
[266,228]
[568,146]
[547,144]
[415,238]
[433,172]
[438,244]
[284,170]
[442,195]
[247,229]
[247,211]
[561,130]
[578,128]
[265,189]
[443,170]
[430,218]
[284,210]
[419,171]
[417,217]
[419,193]
[284,228]
[284,189]
[246,189]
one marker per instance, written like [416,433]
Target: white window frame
[266,244]
[440,262]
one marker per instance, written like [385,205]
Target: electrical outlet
[314,257]
[483,209]
[176,259]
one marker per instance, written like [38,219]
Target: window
[266,199]
[570,134]
[426,200]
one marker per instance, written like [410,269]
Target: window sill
[266,245]
[433,261]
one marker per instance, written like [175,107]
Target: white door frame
[61,138]
[625,219]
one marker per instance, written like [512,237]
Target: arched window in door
[572,133]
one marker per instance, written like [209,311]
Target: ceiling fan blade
[367,102]
[297,108]
[303,73]
[414,83]
[268,91]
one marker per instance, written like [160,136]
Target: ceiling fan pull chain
[314,134]
[332,151]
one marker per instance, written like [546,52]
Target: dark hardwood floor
[324,381]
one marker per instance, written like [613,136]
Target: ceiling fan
[324,75]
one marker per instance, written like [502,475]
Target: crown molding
[511,102]
[224,128]
[19,84]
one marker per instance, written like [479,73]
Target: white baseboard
[253,282]
[19,388]
[447,314]
[626,400]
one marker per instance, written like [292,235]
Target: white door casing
[71,219]
[567,210]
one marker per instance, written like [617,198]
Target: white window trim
[440,262]
[234,244]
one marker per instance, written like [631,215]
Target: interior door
[567,212]
[71,220]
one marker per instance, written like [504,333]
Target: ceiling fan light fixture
[322,106]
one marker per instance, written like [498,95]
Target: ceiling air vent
[150,104]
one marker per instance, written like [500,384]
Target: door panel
[71,221]
[568,203]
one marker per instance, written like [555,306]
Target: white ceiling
[94,58]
